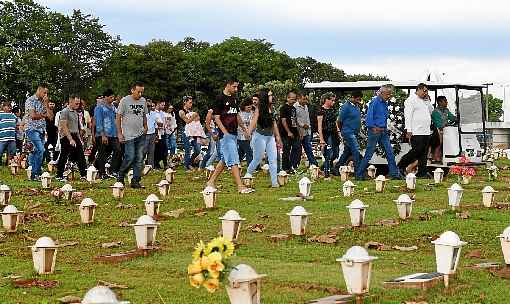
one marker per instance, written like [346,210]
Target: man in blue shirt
[106,135]
[377,116]
[349,123]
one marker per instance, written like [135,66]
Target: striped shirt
[7,127]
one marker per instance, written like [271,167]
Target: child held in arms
[7,131]
[194,129]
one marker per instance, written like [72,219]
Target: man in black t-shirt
[226,117]
[328,131]
[51,132]
[290,134]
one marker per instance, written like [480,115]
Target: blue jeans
[245,150]
[351,148]
[330,153]
[215,154]
[171,143]
[36,157]
[260,144]
[229,153]
[211,147]
[150,148]
[212,152]
[374,139]
[189,143]
[9,147]
[133,157]
[306,142]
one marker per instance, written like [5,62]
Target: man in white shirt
[305,131]
[417,115]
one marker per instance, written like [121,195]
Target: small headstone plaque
[417,280]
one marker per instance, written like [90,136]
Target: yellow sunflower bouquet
[208,267]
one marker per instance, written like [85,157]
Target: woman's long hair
[265,117]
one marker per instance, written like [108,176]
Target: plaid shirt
[33,103]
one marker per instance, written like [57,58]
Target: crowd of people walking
[118,134]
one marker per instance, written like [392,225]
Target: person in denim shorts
[226,112]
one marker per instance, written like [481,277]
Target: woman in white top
[170,130]
[188,143]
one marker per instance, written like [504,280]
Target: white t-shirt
[170,123]
[417,115]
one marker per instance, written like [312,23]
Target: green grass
[292,266]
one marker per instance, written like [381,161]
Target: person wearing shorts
[226,116]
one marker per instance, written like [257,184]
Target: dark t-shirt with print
[289,113]
[328,121]
[227,108]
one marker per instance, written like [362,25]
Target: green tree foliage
[159,64]
[37,45]
[250,61]
[190,45]
[74,54]
[278,88]
[197,68]
[495,108]
[311,70]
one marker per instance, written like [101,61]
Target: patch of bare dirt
[36,216]
[30,283]
[256,227]
[324,239]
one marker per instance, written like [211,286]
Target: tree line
[74,54]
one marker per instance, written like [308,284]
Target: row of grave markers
[356,263]
[244,284]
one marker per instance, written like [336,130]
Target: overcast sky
[468,41]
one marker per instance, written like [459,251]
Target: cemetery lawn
[298,270]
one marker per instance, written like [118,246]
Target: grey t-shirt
[132,112]
[72,118]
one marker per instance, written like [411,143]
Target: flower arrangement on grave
[209,266]
[463,171]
